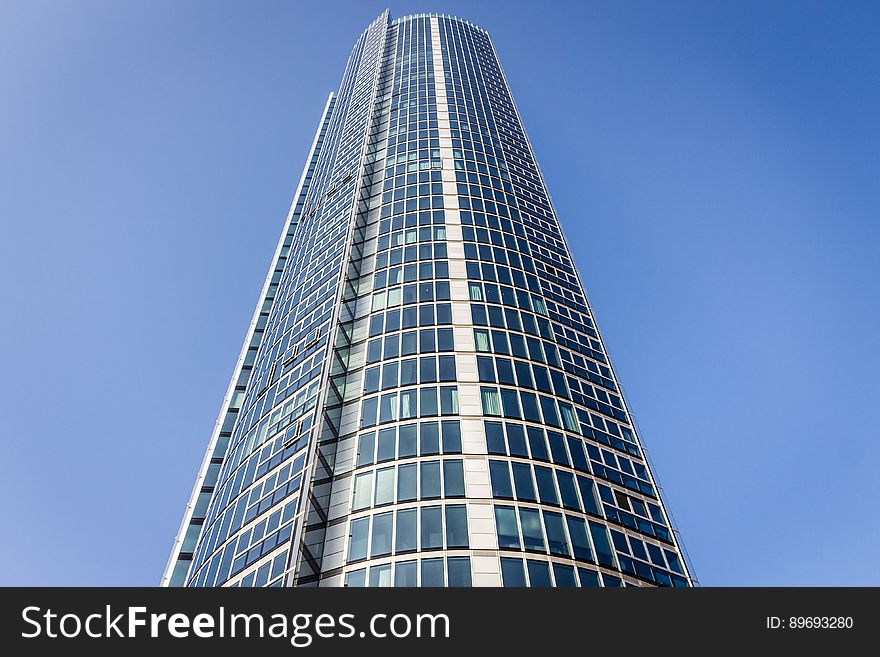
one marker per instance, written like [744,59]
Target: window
[567,490]
[580,544]
[408,439]
[408,372]
[589,578]
[539,574]
[432,528]
[459,571]
[451,437]
[406,574]
[430,476]
[428,401]
[491,401]
[494,438]
[386,445]
[505,523]
[546,488]
[357,541]
[366,446]
[564,576]
[512,573]
[447,368]
[388,408]
[456,526]
[499,474]
[363,489]
[533,536]
[406,482]
[516,440]
[522,480]
[356,578]
[603,548]
[380,575]
[380,541]
[432,572]
[384,486]
[588,495]
[449,401]
[555,533]
[537,444]
[453,478]
[406,539]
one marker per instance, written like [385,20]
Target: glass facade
[423,398]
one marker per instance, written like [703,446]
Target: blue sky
[715,166]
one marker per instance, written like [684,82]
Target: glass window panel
[429,438]
[604,554]
[481,340]
[363,491]
[564,576]
[447,368]
[588,495]
[589,578]
[408,440]
[522,480]
[380,576]
[386,444]
[408,405]
[459,571]
[356,578]
[432,573]
[512,572]
[530,406]
[533,535]
[557,448]
[516,439]
[567,490]
[499,473]
[580,544]
[384,486]
[449,400]
[366,447]
[380,540]
[451,437]
[539,573]
[453,478]
[432,528]
[371,380]
[556,540]
[505,523]
[408,342]
[406,539]
[576,447]
[537,444]
[389,375]
[510,402]
[546,487]
[407,480]
[456,526]
[388,408]
[368,411]
[494,438]
[428,370]
[445,340]
[428,401]
[491,401]
[406,574]
[357,542]
[430,479]
[409,372]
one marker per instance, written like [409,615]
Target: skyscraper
[423,397]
